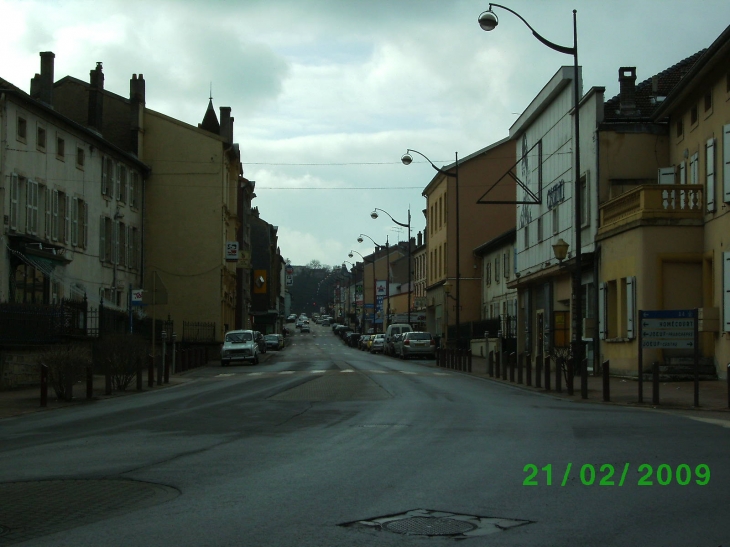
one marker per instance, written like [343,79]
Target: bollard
[139,374]
[490,368]
[569,382]
[163,364]
[655,383]
[584,379]
[547,373]
[538,371]
[468,359]
[511,359]
[89,383]
[150,371]
[496,364]
[606,383]
[44,385]
[167,370]
[108,378]
[520,366]
[505,365]
[558,373]
[528,365]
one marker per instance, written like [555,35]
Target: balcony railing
[653,201]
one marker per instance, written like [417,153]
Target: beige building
[476,223]
[190,201]
[663,237]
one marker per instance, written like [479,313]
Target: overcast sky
[328,94]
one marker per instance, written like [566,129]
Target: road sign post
[669,329]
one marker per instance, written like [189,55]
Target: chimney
[413,242]
[226,130]
[420,238]
[96,98]
[46,91]
[136,113]
[627,94]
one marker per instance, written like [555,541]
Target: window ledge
[618,340]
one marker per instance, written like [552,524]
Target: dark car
[352,339]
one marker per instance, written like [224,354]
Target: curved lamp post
[488,21]
[363,290]
[374,215]
[387,272]
[407,159]
[349,285]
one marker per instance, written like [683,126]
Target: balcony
[654,204]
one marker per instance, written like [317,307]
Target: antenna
[211,91]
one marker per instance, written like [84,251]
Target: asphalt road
[325,445]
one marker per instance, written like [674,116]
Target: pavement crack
[180,455]
[290,418]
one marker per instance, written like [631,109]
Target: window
[107,176]
[488,273]
[539,229]
[106,236]
[439,262]
[122,247]
[133,189]
[680,128]
[21,129]
[49,213]
[41,139]
[79,222]
[725,162]
[54,216]
[556,221]
[682,173]
[527,236]
[62,217]
[122,183]
[694,174]
[708,101]
[446,260]
[693,116]
[80,157]
[441,213]
[496,269]
[14,200]
[135,246]
[617,309]
[31,207]
[505,265]
[60,149]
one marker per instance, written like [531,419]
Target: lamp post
[447,291]
[363,290]
[387,272]
[488,21]
[407,159]
[374,215]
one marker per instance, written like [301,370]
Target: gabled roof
[210,120]
[646,99]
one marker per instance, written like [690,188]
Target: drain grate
[429,523]
[429,526]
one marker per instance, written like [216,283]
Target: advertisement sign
[380,290]
[231,251]
[137,297]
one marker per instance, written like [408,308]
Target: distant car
[305,327]
[352,339]
[416,343]
[260,341]
[364,341]
[377,343]
[274,341]
[239,345]
[325,322]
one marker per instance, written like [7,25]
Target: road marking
[441,374]
[221,375]
[378,371]
[407,372]
[347,370]
[287,372]
[317,371]
[255,373]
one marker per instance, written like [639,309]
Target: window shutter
[102,238]
[49,216]
[75,222]
[694,177]
[85,228]
[602,310]
[28,207]
[67,220]
[631,307]
[14,189]
[683,173]
[710,186]
[726,162]
[726,291]
[128,247]
[115,242]
[55,215]
[666,175]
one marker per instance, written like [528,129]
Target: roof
[710,57]
[510,236]
[210,120]
[647,100]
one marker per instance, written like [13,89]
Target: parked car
[416,343]
[395,328]
[352,339]
[377,343]
[343,332]
[363,342]
[305,327]
[325,322]
[239,345]
[274,341]
[260,341]
[390,346]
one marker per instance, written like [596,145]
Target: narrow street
[325,445]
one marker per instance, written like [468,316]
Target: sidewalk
[623,391]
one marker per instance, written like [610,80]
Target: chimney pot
[46,77]
[627,94]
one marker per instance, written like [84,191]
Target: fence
[506,324]
[198,331]
[41,324]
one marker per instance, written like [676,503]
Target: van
[395,328]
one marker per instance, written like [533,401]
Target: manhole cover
[427,526]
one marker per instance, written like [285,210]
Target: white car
[239,345]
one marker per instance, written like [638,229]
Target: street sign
[668,329]
[231,251]
[137,296]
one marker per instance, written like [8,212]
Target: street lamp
[349,289]
[407,159]
[374,215]
[387,274]
[488,21]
